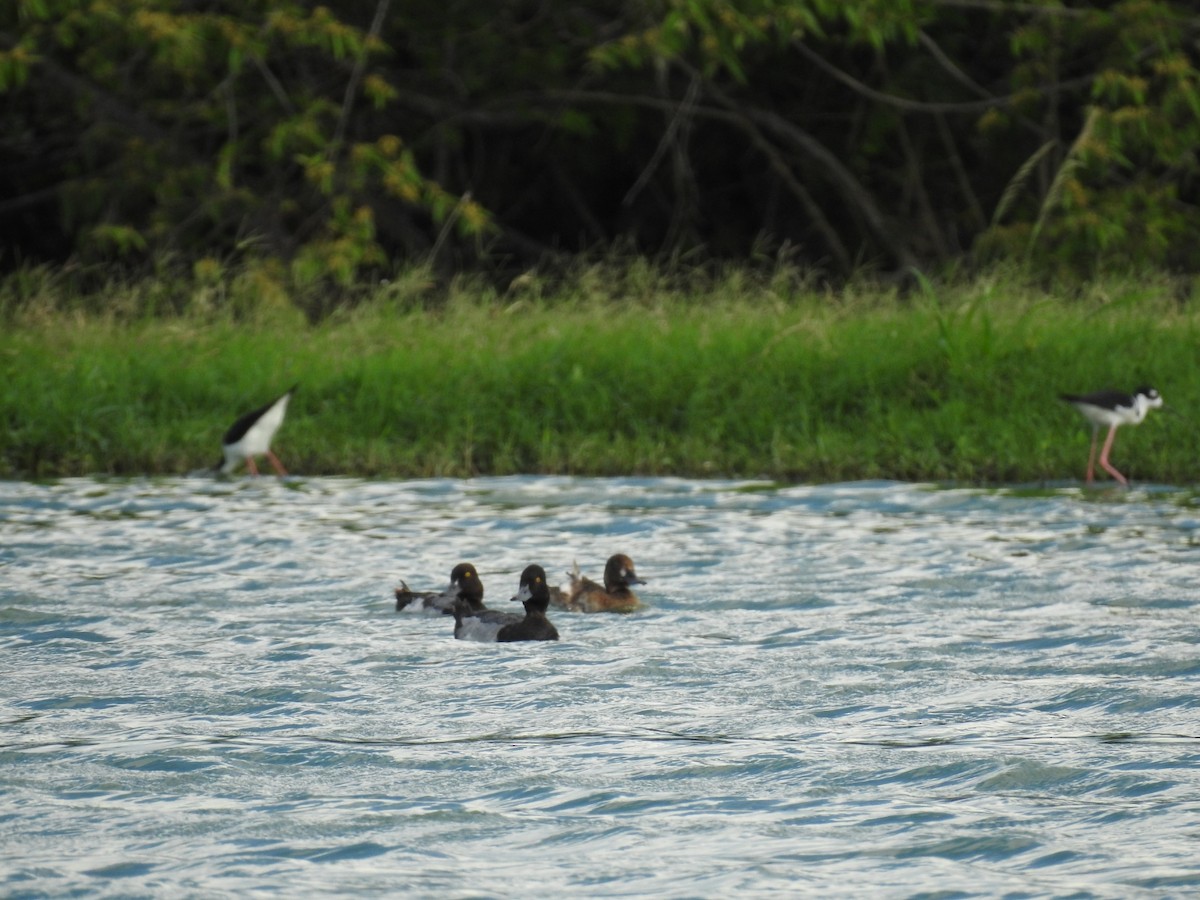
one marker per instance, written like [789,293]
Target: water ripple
[869,688]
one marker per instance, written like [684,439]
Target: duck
[464,582]
[492,625]
[251,436]
[584,595]
[1112,409]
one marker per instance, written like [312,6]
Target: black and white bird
[1112,409]
[465,585]
[493,625]
[251,436]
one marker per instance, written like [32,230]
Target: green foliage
[197,129]
[719,32]
[343,140]
[1124,192]
[615,371]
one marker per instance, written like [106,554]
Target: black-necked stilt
[251,435]
[1113,409]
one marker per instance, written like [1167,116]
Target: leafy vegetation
[322,145]
[614,370]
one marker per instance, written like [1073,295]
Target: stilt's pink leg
[1092,456]
[276,463]
[1112,433]
[251,466]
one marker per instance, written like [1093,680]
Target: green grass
[607,372]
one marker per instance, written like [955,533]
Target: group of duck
[473,621]
[251,435]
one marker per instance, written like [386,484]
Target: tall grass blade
[1017,183]
[1073,160]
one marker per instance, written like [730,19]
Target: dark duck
[464,583]
[493,625]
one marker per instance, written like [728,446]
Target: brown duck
[615,595]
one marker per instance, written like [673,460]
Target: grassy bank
[606,373]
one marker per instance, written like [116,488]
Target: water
[865,689]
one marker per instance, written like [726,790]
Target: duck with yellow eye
[492,625]
[464,583]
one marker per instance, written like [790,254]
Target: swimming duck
[493,625]
[584,595]
[251,435]
[464,582]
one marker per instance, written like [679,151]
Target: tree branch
[784,171]
[274,85]
[960,174]
[360,65]
[969,106]
[966,81]
[841,178]
[951,67]
[685,107]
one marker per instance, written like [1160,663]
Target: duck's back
[574,597]
[432,602]
[529,629]
[620,601]
[481,624]
[584,595]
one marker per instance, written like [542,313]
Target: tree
[900,133]
[156,127]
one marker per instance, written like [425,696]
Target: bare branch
[447,225]
[684,109]
[275,86]
[951,67]
[966,81]
[360,65]
[842,179]
[970,106]
[960,173]
[784,171]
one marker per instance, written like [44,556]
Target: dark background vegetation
[348,140]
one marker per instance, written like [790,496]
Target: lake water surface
[868,689]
